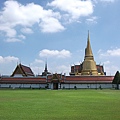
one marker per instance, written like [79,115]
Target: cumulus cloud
[25,16]
[8,64]
[55,53]
[63,69]
[113,52]
[37,66]
[21,36]
[48,20]
[50,25]
[8,59]
[73,8]
[111,59]
[13,40]
[111,69]
[10,32]
[26,30]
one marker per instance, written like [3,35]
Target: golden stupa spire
[88,50]
[89,65]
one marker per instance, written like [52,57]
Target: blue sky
[56,30]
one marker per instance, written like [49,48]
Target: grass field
[59,105]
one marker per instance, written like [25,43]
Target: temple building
[88,66]
[77,69]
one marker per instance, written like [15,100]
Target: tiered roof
[22,70]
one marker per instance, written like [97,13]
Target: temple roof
[23,80]
[89,79]
[23,70]
[64,79]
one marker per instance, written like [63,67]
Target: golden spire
[88,50]
[89,65]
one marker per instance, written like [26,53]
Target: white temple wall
[5,85]
[50,85]
[87,86]
[18,75]
[13,86]
[60,86]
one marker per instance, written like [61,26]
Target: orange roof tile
[22,80]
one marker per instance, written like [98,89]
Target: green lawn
[59,105]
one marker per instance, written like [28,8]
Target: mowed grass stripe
[59,104]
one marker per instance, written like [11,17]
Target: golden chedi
[89,65]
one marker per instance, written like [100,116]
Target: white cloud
[22,36]
[104,1]
[63,69]
[15,14]
[37,66]
[38,61]
[20,14]
[49,20]
[37,70]
[111,69]
[111,59]
[107,62]
[107,0]
[55,53]
[8,59]
[13,40]
[74,8]
[25,15]
[10,32]
[8,64]
[26,30]
[114,52]
[51,25]
[92,20]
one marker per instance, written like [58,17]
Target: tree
[116,79]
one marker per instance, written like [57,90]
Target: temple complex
[87,75]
